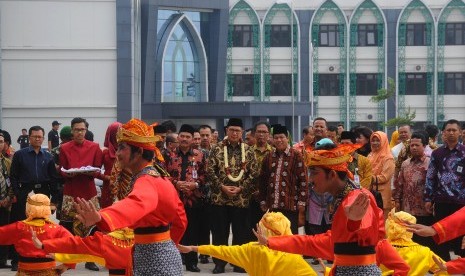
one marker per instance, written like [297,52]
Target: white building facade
[283,61]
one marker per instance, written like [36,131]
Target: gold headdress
[334,159]
[137,133]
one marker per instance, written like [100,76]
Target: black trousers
[293,217]
[4,220]
[224,218]
[442,210]
[255,214]
[205,223]
[426,241]
[191,236]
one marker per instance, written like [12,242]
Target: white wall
[58,62]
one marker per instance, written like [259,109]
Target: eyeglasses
[262,132]
[79,130]
[36,137]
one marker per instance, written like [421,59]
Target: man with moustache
[32,169]
[261,149]
[204,234]
[444,190]
[187,170]
[232,171]
[283,180]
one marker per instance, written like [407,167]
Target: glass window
[164,17]
[367,84]
[281,85]
[181,68]
[280,36]
[416,34]
[243,36]
[416,84]
[243,85]
[329,84]
[454,84]
[455,34]
[329,36]
[367,35]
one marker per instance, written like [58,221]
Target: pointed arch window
[182,59]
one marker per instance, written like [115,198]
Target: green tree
[383,93]
[386,93]
[406,119]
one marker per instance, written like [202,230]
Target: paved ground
[80,270]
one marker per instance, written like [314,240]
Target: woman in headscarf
[109,158]
[32,261]
[383,165]
[394,139]
[256,259]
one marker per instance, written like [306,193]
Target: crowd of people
[172,197]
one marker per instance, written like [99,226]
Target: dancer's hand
[358,208]
[87,213]
[37,243]
[187,248]
[421,230]
[442,265]
[262,239]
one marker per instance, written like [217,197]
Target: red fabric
[145,208]
[106,198]
[387,255]
[319,245]
[19,235]
[99,245]
[450,227]
[456,266]
[74,155]
[110,139]
[343,230]
[196,162]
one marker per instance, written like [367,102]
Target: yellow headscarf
[38,212]
[275,224]
[395,228]
[394,139]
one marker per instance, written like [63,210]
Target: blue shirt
[445,179]
[29,168]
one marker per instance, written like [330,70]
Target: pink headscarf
[110,139]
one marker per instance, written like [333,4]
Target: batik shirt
[188,167]
[217,176]
[283,180]
[445,180]
[260,155]
[410,186]
[5,164]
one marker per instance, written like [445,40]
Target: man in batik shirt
[262,148]
[407,195]
[187,170]
[232,171]
[283,179]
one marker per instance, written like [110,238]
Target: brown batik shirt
[216,173]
